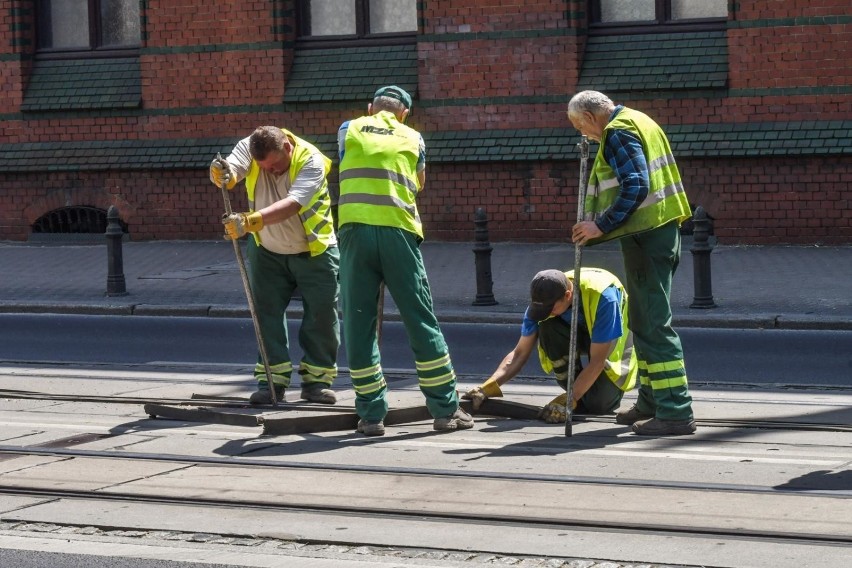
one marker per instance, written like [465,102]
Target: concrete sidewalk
[753,286]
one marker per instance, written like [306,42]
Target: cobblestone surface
[412,556]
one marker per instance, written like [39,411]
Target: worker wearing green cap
[382,171]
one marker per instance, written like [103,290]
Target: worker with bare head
[271,149]
[292,245]
[636,195]
[603,338]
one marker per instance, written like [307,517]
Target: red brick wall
[769,199]
[752,201]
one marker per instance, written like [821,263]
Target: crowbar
[578,261]
[241,263]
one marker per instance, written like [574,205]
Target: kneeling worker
[612,366]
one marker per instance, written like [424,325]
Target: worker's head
[393,99]
[270,147]
[589,112]
[551,293]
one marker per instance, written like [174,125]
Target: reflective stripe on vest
[666,200]
[621,366]
[316,214]
[378,174]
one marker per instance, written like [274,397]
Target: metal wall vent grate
[73,220]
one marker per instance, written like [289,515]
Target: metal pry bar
[241,263]
[575,303]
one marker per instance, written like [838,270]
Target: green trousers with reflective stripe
[274,277]
[554,336]
[650,261]
[370,255]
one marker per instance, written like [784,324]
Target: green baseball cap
[395,92]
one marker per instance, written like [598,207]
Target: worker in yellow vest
[635,194]
[292,245]
[604,338]
[382,170]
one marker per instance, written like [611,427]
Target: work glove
[478,395]
[238,224]
[554,411]
[221,172]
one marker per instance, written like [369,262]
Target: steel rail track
[399,470]
[406,513]
[242,403]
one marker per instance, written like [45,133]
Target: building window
[348,20]
[87,26]
[634,16]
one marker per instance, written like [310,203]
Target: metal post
[701,249]
[482,249]
[583,146]
[115,263]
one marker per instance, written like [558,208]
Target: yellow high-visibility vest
[316,215]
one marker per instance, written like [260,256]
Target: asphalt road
[718,356]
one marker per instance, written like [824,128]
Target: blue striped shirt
[623,152]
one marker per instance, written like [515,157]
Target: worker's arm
[515,360]
[508,368]
[279,211]
[310,180]
[598,353]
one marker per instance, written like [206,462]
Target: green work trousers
[274,277]
[554,336]
[371,255]
[650,261]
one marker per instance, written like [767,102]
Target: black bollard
[482,249]
[701,249]
[115,263]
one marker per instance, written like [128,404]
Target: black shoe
[631,416]
[660,427]
[263,396]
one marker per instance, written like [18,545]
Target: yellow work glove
[221,172]
[478,395]
[238,224]
[554,411]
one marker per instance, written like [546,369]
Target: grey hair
[593,102]
[266,139]
[396,106]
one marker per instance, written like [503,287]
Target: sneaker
[660,427]
[459,420]
[371,427]
[263,396]
[631,416]
[318,392]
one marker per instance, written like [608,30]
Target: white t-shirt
[287,237]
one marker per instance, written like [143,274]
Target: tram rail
[515,484]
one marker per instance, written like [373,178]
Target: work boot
[263,396]
[318,392]
[371,427]
[631,416]
[660,427]
[459,420]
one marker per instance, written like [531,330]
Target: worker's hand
[585,230]
[554,411]
[238,224]
[221,172]
[478,395]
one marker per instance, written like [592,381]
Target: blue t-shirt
[607,320]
